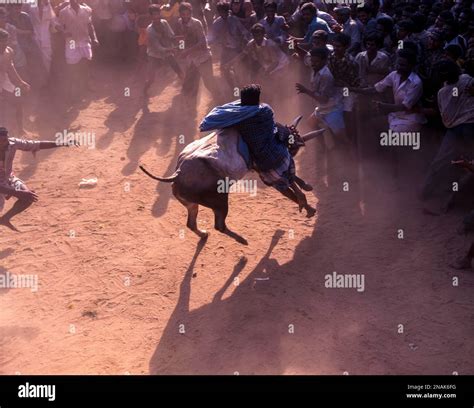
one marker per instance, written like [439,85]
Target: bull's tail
[170,179]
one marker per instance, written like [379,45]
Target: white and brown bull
[207,161]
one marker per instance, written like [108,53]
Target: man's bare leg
[19,206]
[148,83]
[296,195]
[301,183]
[302,202]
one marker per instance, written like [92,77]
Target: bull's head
[295,140]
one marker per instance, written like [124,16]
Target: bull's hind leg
[192,220]
[221,209]
[193,210]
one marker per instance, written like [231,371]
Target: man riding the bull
[268,142]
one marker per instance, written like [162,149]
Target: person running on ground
[12,186]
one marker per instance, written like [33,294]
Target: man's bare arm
[53,144]
[15,77]
[317,97]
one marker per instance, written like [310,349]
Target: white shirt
[267,54]
[77,24]
[456,110]
[322,84]
[372,72]
[42,26]
[407,93]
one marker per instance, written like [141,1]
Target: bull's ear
[296,121]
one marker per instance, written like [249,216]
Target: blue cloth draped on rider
[256,124]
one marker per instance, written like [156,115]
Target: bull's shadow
[176,347]
[248,332]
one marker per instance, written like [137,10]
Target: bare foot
[302,202]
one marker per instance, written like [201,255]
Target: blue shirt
[316,24]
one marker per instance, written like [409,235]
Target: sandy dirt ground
[125,288]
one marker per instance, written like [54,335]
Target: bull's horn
[312,134]
[296,121]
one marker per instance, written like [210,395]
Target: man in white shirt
[44,22]
[79,35]
[268,60]
[329,111]
[407,90]
[374,65]
[196,54]
[404,120]
[456,106]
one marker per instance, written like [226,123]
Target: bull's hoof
[310,212]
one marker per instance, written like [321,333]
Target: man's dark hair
[257,27]
[407,25]
[447,70]
[222,6]
[320,34]
[303,2]
[407,54]
[154,8]
[185,6]
[342,39]
[419,21]
[250,95]
[311,7]
[320,53]
[373,36]
[270,5]
[4,34]
[446,15]
[386,23]
[3,131]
